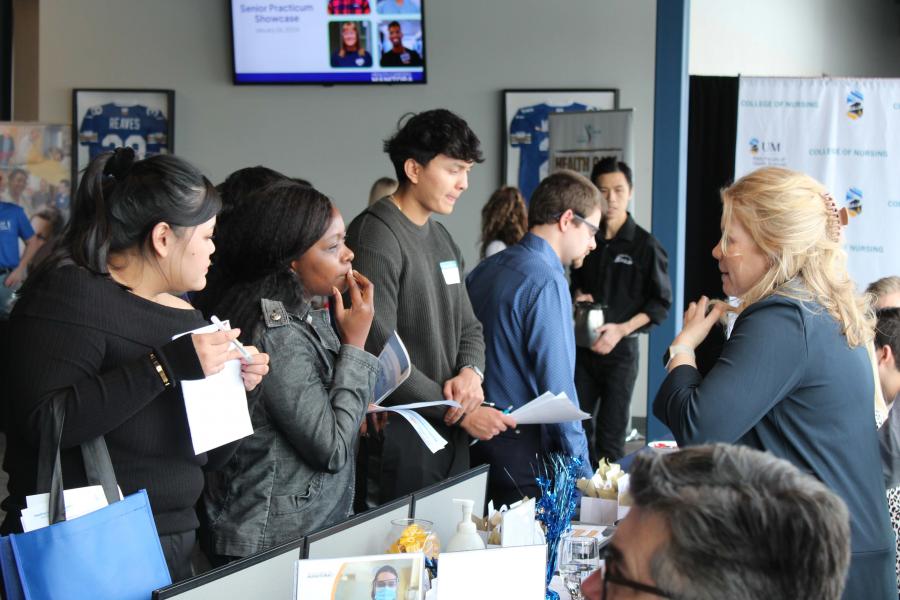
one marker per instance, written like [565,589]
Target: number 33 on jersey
[111,126]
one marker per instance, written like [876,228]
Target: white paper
[394,367]
[217,405]
[548,408]
[415,405]
[430,437]
[625,500]
[352,577]
[516,572]
[517,527]
[600,511]
[78,502]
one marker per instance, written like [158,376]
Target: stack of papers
[420,424]
[78,501]
[394,367]
[548,408]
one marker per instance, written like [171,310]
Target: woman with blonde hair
[504,220]
[352,49]
[794,378]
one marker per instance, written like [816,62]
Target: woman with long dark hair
[94,328]
[295,474]
[504,220]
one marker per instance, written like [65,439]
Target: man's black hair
[887,331]
[425,135]
[609,164]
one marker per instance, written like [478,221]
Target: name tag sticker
[450,270]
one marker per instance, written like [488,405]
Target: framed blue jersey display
[106,119]
[526,131]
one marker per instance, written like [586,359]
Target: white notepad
[217,405]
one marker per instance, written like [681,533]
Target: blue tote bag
[111,553]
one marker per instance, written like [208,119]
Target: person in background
[504,220]
[93,330]
[237,189]
[352,50]
[628,275]
[416,268]
[62,199]
[48,224]
[17,187]
[14,226]
[295,474]
[385,583]
[383,186]
[887,360]
[886,292]
[722,521]
[521,297]
[794,377]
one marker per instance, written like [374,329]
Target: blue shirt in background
[522,299]
[409,7]
[14,226]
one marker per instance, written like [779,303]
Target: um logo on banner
[763,147]
[855,104]
[853,198]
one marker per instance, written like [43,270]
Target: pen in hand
[240,348]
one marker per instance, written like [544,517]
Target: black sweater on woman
[83,337]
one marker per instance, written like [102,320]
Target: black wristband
[179,359]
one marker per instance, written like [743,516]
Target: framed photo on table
[105,119]
[526,129]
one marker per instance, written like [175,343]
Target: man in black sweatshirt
[416,269]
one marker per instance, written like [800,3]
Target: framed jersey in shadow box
[526,129]
[106,119]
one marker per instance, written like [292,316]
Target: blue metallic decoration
[556,506]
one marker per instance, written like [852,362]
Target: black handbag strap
[97,463]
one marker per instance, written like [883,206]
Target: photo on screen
[399,7]
[349,41]
[399,576]
[348,7]
[400,42]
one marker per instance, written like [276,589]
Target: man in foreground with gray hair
[721,521]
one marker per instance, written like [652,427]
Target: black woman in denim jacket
[295,474]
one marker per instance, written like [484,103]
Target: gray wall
[332,136]
[475,49]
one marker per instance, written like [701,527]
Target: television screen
[328,41]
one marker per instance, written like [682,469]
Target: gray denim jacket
[295,474]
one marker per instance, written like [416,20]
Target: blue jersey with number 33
[112,126]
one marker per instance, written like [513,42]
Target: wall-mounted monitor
[328,41]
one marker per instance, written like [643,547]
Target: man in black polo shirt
[628,274]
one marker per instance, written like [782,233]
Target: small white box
[599,511]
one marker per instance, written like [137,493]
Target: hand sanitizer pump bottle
[466,537]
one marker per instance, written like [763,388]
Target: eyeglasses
[593,229]
[390,583]
[611,557]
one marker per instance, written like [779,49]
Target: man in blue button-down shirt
[522,299]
